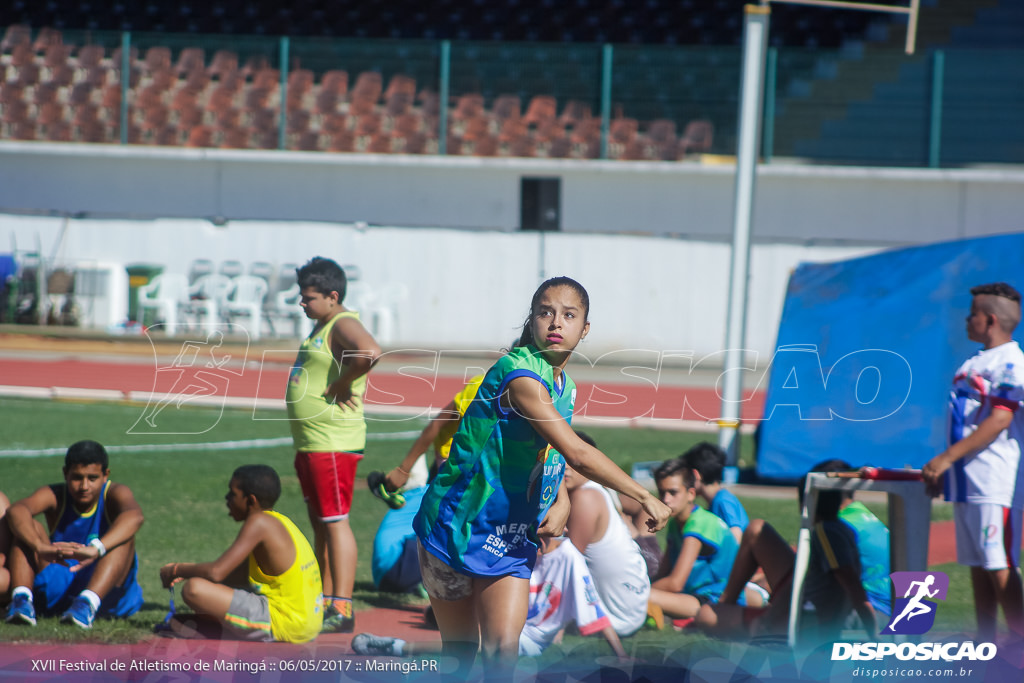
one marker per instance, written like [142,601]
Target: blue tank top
[79,527]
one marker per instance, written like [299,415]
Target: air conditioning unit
[101,293]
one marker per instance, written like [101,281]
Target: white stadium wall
[460,289]
[793,203]
[443,263]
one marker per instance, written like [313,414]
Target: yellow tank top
[319,426]
[443,440]
[296,596]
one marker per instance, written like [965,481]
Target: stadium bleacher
[673,22]
[674,83]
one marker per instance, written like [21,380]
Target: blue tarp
[8,267]
[866,353]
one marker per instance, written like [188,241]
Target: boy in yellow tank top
[325,411]
[283,597]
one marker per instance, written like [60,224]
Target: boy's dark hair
[829,501]
[323,275]
[669,468]
[708,459]
[1001,300]
[260,481]
[86,453]
[562,281]
[586,438]
[997,289]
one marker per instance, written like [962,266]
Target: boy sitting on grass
[83,562]
[699,553]
[707,461]
[282,601]
[847,579]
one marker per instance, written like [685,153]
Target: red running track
[394,388]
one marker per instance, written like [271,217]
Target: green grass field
[181,491]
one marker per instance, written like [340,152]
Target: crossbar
[911,11]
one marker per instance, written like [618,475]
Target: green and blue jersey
[481,512]
[711,569]
[873,548]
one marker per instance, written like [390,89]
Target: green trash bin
[139,275]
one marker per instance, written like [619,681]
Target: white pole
[755,44]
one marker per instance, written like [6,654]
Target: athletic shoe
[682,624]
[334,622]
[375,480]
[369,644]
[80,613]
[22,610]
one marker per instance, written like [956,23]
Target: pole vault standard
[755,45]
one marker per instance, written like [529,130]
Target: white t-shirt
[619,570]
[561,590]
[992,379]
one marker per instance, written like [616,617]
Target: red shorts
[327,481]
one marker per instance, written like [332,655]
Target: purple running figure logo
[914,607]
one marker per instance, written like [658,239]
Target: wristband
[98,544]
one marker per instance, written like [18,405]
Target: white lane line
[177,447]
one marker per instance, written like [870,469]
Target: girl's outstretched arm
[530,399]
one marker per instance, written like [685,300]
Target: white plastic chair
[285,307]
[246,298]
[207,298]
[166,294]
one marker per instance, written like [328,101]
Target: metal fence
[857,105]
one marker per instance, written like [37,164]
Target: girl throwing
[501,487]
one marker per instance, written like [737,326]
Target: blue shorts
[56,586]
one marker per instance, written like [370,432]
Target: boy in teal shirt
[700,550]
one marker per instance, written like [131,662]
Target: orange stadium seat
[379,143]
[341,141]
[334,123]
[308,141]
[575,113]
[158,58]
[223,65]
[335,80]
[696,138]
[47,38]
[190,59]
[507,107]
[298,121]
[416,143]
[196,81]
[327,102]
[559,148]
[368,87]
[542,109]
[300,83]
[89,56]
[81,93]
[200,136]
[15,34]
[266,79]
[234,137]
[468,106]
[58,131]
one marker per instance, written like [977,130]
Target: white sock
[399,647]
[93,599]
[22,590]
